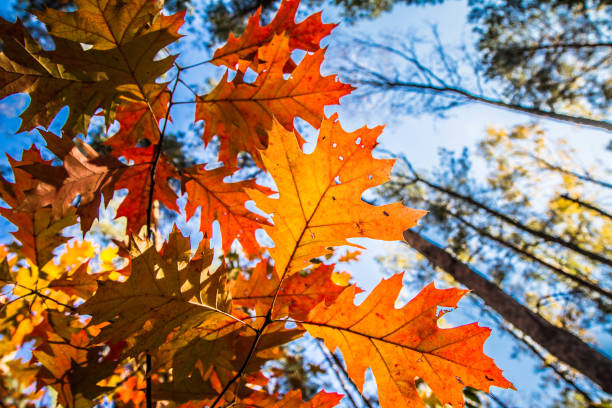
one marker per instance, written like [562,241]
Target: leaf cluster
[150,318]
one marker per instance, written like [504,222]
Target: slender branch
[538,233]
[149,389]
[338,368]
[196,64]
[560,343]
[586,205]
[495,399]
[336,371]
[185,102]
[577,120]
[242,367]
[157,155]
[37,293]
[186,85]
[554,46]
[583,177]
[574,278]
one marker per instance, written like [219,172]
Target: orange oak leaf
[298,293]
[125,38]
[305,35]
[242,113]
[25,67]
[136,179]
[37,230]
[104,24]
[225,203]
[319,204]
[293,399]
[401,344]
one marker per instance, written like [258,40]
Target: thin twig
[157,155]
[337,367]
[148,392]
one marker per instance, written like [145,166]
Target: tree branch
[335,369]
[537,233]
[574,278]
[577,120]
[586,205]
[338,368]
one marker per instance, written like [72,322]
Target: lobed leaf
[306,35]
[242,113]
[164,292]
[225,203]
[319,204]
[401,344]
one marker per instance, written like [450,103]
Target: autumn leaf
[298,293]
[138,121]
[78,283]
[350,256]
[69,365]
[205,357]
[165,291]
[91,177]
[104,24]
[305,35]
[319,204]
[136,179]
[37,229]
[124,39]
[293,399]
[26,67]
[401,344]
[242,113]
[225,203]
[84,174]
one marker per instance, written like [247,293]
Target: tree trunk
[562,344]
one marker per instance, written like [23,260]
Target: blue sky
[419,138]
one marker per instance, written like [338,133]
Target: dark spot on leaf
[386,213]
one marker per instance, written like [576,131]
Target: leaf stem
[157,153]
[148,392]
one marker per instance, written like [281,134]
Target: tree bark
[562,344]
